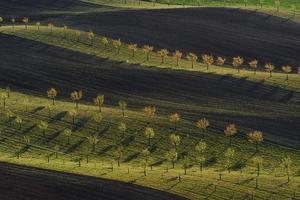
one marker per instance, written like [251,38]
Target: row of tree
[207,59]
[172,155]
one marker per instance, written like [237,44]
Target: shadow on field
[36,184]
[221,99]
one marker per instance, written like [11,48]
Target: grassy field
[35,149]
[288,4]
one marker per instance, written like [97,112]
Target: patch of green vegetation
[287,4]
[89,43]
[133,4]
[35,132]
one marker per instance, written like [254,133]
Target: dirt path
[18,182]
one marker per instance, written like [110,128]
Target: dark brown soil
[24,183]
[219,31]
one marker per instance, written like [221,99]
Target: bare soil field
[219,31]
[34,67]
[49,185]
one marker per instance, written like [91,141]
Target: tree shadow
[131,157]
[81,123]
[103,131]
[104,150]
[73,147]
[35,110]
[158,162]
[59,116]
[126,141]
[29,129]
[51,137]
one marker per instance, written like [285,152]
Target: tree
[38,24]
[150,112]
[146,154]
[123,106]
[185,164]
[117,44]
[277,4]
[7,89]
[286,163]
[48,108]
[147,50]
[56,149]
[50,26]
[118,154]
[27,139]
[230,131]
[287,69]
[104,41]
[193,58]
[77,35]
[269,68]
[13,21]
[132,48]
[220,61]
[43,126]
[202,124]
[98,101]
[200,154]
[237,62]
[68,133]
[73,114]
[177,56]
[172,156]
[65,30]
[253,64]
[25,102]
[91,36]
[4,97]
[149,133]
[258,161]
[122,127]
[261,2]
[175,140]
[229,155]
[18,120]
[1,20]
[255,137]
[9,115]
[98,119]
[86,152]
[174,118]
[93,140]
[163,54]
[52,93]
[207,60]
[25,20]
[76,96]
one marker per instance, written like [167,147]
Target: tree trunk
[53,101]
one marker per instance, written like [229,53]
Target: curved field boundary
[68,39]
